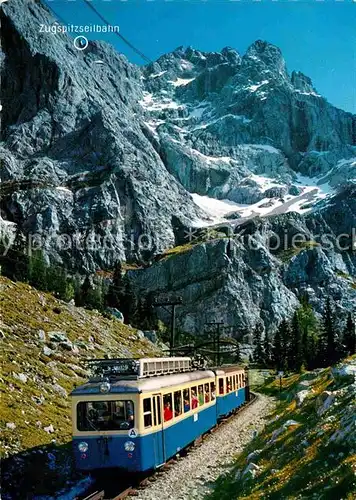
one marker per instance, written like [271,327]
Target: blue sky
[316,37]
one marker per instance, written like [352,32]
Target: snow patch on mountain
[152,103]
[265,182]
[253,88]
[158,74]
[181,82]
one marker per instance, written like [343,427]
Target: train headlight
[129,446]
[105,387]
[83,447]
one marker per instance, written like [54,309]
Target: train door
[158,436]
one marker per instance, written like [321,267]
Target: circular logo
[80,42]
[133,433]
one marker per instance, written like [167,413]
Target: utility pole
[217,334]
[174,303]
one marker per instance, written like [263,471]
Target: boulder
[57,336]
[69,346]
[301,396]
[151,335]
[253,455]
[47,351]
[252,470]
[20,376]
[140,334]
[58,388]
[324,401]
[115,313]
[41,335]
[346,371]
[49,429]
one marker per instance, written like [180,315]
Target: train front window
[105,415]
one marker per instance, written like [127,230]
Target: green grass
[25,311]
[287,255]
[301,461]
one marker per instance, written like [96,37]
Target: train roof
[223,370]
[122,386]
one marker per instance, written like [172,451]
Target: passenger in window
[186,405]
[130,414]
[207,395]
[221,386]
[167,412]
[194,399]
[213,392]
[228,388]
[201,395]
[177,403]
[186,400]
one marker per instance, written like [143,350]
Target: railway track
[141,483]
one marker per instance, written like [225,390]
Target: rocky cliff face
[258,275]
[76,160]
[103,160]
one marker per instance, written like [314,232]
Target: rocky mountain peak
[231,55]
[267,54]
[302,82]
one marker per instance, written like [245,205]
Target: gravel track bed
[192,477]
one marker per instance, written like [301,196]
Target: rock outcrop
[76,158]
[257,276]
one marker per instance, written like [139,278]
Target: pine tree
[267,349]
[258,353]
[57,281]
[116,289]
[69,293]
[38,271]
[77,291]
[279,354]
[327,345]
[295,349]
[128,302]
[91,296]
[349,336]
[237,353]
[144,316]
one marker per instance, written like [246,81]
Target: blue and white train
[137,414]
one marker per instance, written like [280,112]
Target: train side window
[158,401]
[234,380]
[243,380]
[147,412]
[207,393]
[212,390]
[228,385]
[167,407]
[177,403]
[194,397]
[155,411]
[186,399]
[201,395]
[221,386]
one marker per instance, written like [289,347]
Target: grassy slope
[25,311]
[302,462]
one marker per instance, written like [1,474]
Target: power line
[60,18]
[125,40]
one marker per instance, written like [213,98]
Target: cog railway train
[135,414]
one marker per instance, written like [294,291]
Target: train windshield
[105,415]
